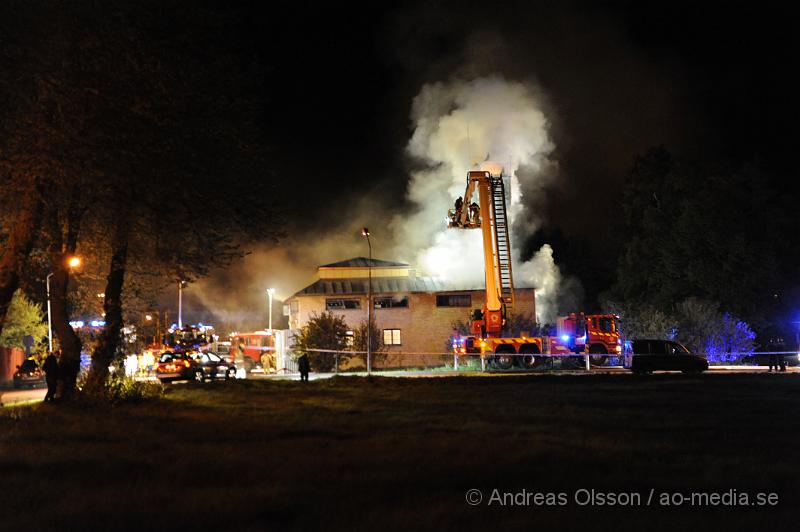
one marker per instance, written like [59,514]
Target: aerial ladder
[490,216]
[597,334]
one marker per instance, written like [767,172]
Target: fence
[325,360]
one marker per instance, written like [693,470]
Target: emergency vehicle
[596,336]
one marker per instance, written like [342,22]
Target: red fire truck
[254,350]
[596,335]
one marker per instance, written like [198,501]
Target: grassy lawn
[357,453]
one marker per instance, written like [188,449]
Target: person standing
[304,366]
[50,368]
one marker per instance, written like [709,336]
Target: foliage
[642,321]
[696,323]
[378,349]
[323,331]
[135,132]
[119,388]
[24,318]
[731,336]
[696,231]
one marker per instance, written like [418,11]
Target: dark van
[646,356]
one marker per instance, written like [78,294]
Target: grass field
[357,453]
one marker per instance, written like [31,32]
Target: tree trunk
[19,244]
[61,249]
[70,362]
[112,305]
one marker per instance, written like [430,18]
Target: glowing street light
[365,233]
[74,262]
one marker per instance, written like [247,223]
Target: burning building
[415,314]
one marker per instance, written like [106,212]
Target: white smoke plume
[490,123]
[457,125]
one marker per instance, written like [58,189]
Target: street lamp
[270,292]
[365,232]
[49,320]
[73,262]
[180,303]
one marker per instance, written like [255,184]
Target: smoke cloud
[490,122]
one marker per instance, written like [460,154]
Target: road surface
[11,397]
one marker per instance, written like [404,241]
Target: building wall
[425,328]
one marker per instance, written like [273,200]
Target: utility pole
[180,304]
[365,232]
[49,320]
[270,292]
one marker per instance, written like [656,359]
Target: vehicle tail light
[186,363]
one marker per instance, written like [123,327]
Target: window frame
[344,301]
[393,332]
[451,298]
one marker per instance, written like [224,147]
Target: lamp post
[49,320]
[365,232]
[180,304]
[270,292]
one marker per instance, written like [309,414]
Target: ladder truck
[588,338]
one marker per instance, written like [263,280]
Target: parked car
[28,374]
[646,356]
[173,366]
[215,366]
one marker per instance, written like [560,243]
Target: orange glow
[74,262]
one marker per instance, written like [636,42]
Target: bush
[323,331]
[120,388]
[696,323]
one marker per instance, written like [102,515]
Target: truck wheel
[503,361]
[529,356]
[597,355]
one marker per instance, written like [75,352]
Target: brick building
[414,313]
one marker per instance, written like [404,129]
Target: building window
[454,300]
[342,304]
[390,302]
[294,307]
[391,337]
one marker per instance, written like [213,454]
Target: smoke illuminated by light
[491,124]
[457,125]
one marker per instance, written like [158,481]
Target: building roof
[380,285]
[363,262]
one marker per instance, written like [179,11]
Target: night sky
[704,81]
[710,82]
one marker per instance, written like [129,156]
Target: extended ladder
[502,244]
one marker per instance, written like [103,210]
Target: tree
[377,347]
[696,323]
[702,231]
[24,318]
[136,135]
[323,331]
